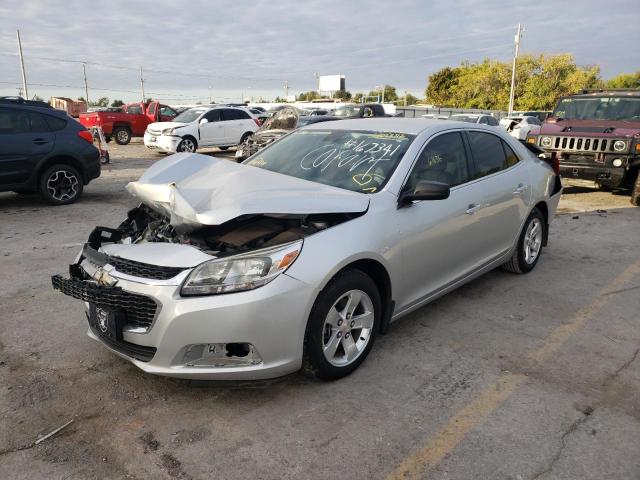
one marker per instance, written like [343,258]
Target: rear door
[136,119]
[213,131]
[504,193]
[234,124]
[25,137]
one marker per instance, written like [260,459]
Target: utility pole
[142,84]
[286,89]
[86,88]
[382,101]
[513,70]
[24,75]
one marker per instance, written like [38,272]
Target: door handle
[40,141]
[472,208]
[520,189]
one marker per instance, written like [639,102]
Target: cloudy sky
[192,49]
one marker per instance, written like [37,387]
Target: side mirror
[203,121]
[425,190]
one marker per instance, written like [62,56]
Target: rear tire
[635,193]
[529,247]
[122,135]
[61,184]
[244,137]
[342,326]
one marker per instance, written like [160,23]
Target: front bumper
[164,143]
[271,318]
[609,176]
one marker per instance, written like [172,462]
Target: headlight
[619,145]
[241,272]
[545,142]
[168,131]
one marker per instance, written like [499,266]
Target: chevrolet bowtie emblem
[102,277]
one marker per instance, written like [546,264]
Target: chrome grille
[583,144]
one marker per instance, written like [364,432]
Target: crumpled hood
[194,190]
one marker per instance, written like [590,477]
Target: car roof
[412,126]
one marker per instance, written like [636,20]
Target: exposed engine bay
[242,234]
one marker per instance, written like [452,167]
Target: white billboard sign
[330,83]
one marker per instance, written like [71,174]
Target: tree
[342,95]
[101,102]
[357,97]
[624,80]
[440,84]
[408,99]
[308,96]
[38,98]
[117,103]
[390,94]
[280,100]
[540,81]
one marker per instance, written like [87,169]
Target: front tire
[187,145]
[342,326]
[122,135]
[61,184]
[635,193]
[529,248]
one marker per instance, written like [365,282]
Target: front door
[438,242]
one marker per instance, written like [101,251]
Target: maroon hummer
[595,136]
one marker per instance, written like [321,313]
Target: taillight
[86,135]
[555,162]
[257,121]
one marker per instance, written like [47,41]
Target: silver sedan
[299,257]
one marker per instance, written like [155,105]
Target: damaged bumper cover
[245,335]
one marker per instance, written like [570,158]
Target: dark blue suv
[44,150]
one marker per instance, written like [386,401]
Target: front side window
[360,161]
[152,108]
[490,153]
[444,160]
[213,116]
[15,121]
[167,111]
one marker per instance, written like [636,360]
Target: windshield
[190,115]
[347,111]
[360,161]
[599,108]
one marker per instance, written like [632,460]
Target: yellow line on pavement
[475,412]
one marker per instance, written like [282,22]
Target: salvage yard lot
[509,377]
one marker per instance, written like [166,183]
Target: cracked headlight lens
[241,272]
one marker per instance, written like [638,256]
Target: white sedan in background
[198,127]
[521,127]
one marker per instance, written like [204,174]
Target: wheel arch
[62,159]
[544,209]
[380,276]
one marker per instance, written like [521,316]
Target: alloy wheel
[533,241]
[62,185]
[347,328]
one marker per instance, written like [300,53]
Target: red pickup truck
[130,121]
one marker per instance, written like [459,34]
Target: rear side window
[55,123]
[152,108]
[234,114]
[492,121]
[511,157]
[488,153]
[134,109]
[16,121]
